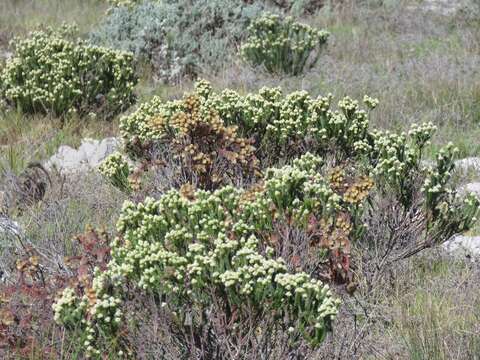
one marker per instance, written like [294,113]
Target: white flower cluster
[435,185]
[299,190]
[51,74]
[398,154]
[282,45]
[370,102]
[67,308]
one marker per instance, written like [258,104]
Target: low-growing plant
[283,45]
[117,169]
[50,74]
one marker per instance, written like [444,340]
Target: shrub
[178,38]
[281,125]
[287,126]
[238,255]
[201,253]
[193,137]
[283,45]
[49,74]
[214,259]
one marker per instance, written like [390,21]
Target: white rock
[463,244]
[89,155]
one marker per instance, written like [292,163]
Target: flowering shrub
[283,46]
[287,125]
[208,152]
[219,259]
[280,125]
[52,75]
[194,248]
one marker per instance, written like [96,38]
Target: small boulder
[89,155]
[468,245]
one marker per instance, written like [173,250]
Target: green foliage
[178,38]
[50,74]
[283,45]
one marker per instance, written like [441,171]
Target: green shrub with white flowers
[279,124]
[214,258]
[288,125]
[204,254]
[50,74]
[283,45]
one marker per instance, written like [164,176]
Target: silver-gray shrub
[179,37]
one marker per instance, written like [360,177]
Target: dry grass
[19,16]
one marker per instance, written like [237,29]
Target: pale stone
[469,245]
[89,155]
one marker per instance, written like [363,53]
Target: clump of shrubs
[287,127]
[50,74]
[271,198]
[283,45]
[179,38]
